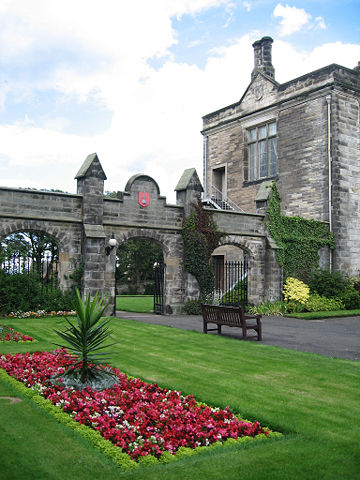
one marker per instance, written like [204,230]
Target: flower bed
[40,313]
[8,334]
[140,418]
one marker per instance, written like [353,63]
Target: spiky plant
[86,338]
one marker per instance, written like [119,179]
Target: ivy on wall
[201,236]
[299,239]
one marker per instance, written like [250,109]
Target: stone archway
[68,241]
[171,245]
[255,249]
[83,223]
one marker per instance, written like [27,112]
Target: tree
[136,260]
[31,245]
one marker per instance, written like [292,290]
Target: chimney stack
[262,57]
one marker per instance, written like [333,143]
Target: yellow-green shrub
[318,303]
[296,290]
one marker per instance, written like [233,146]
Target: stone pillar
[90,184]
[273,272]
[187,189]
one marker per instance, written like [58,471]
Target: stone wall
[83,224]
[346,180]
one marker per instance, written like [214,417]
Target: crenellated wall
[82,225]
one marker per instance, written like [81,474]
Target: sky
[132,79]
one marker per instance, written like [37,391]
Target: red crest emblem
[144,199]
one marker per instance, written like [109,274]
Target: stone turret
[187,189]
[262,57]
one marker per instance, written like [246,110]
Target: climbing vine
[299,239]
[201,236]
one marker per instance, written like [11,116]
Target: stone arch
[83,223]
[172,247]
[255,248]
[18,226]
[244,243]
[138,178]
[146,234]
[68,246]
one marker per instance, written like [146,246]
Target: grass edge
[110,450]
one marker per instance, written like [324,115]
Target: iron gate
[159,280]
[231,283]
[45,269]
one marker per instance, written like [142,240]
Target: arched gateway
[82,225]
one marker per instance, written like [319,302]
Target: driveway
[332,337]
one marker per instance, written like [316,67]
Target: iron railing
[231,283]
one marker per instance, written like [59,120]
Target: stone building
[305,135]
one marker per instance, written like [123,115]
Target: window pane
[272,156]
[252,162]
[262,132]
[272,129]
[262,159]
[252,135]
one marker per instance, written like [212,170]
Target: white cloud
[247,5]
[320,23]
[293,19]
[156,121]
[290,62]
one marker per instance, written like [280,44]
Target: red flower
[140,418]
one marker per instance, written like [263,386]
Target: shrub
[192,307]
[296,290]
[327,284]
[318,303]
[238,295]
[351,299]
[294,307]
[269,308]
[19,292]
[23,292]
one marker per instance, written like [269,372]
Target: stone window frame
[261,137]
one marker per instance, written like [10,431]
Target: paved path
[333,337]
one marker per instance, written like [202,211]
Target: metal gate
[159,280]
[231,283]
[44,269]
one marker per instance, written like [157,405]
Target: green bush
[318,303]
[351,299]
[238,295]
[23,292]
[327,284]
[19,292]
[192,307]
[294,307]
[268,308]
[56,299]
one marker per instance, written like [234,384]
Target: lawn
[319,315]
[314,400]
[135,303]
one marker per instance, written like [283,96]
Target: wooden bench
[231,317]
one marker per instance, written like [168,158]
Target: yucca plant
[86,338]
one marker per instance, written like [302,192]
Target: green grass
[135,303]
[313,399]
[316,315]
